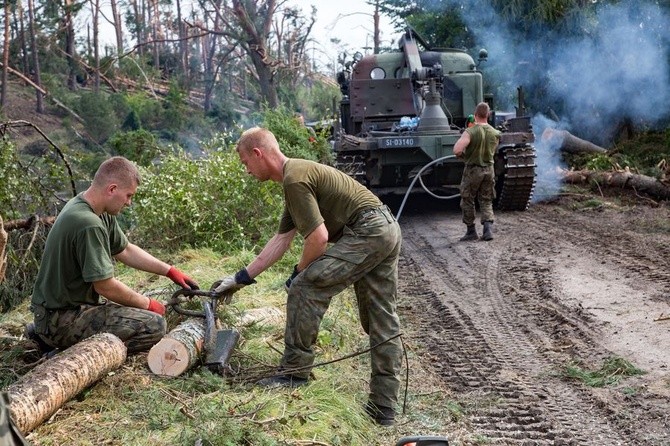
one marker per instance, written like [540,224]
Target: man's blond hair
[117,170]
[257,137]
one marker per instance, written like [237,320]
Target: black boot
[471,234]
[487,235]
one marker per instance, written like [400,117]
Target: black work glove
[233,283]
[289,281]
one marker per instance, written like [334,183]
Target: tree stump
[179,350]
[41,392]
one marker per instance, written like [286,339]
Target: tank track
[515,185]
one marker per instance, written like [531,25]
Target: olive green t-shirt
[78,251]
[483,142]
[315,193]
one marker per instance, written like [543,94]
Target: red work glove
[156,307]
[181,279]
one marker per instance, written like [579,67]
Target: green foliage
[139,146]
[174,109]
[294,138]
[29,184]
[148,109]
[206,202]
[611,372]
[319,100]
[98,114]
[642,153]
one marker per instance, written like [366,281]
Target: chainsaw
[219,343]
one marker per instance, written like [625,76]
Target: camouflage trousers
[366,256]
[478,182]
[138,329]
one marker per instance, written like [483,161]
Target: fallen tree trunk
[27,223]
[567,142]
[3,256]
[621,179]
[179,350]
[41,392]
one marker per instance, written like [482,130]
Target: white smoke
[615,71]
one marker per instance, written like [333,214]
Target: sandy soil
[495,324]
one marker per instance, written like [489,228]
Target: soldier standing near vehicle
[76,294]
[477,147]
[326,206]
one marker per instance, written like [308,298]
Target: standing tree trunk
[154,17]
[183,63]
[5,56]
[139,23]
[68,24]
[41,392]
[118,28]
[95,10]
[37,79]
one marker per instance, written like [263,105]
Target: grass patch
[132,406]
[613,370]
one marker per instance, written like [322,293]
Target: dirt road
[561,284]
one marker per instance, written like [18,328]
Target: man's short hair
[117,170]
[257,137]
[482,110]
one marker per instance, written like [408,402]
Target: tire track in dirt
[492,349]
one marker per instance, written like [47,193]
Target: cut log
[567,142]
[41,392]
[179,350]
[3,256]
[621,179]
[262,316]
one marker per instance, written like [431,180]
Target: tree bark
[621,179]
[95,12]
[5,56]
[179,350]
[41,392]
[39,95]
[70,49]
[567,142]
[3,256]
[118,28]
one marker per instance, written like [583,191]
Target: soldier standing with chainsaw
[349,238]
[77,270]
[477,147]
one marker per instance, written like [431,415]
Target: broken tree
[621,179]
[567,142]
[41,392]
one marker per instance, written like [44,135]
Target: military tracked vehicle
[402,112]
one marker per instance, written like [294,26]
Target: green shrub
[139,146]
[294,138]
[207,202]
[98,114]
